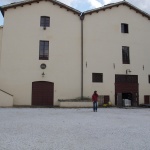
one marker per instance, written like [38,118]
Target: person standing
[94,99]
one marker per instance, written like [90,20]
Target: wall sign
[43,66]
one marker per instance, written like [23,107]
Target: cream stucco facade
[103,43]
[1,34]
[101,50]
[6,100]
[20,64]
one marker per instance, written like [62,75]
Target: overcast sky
[83,5]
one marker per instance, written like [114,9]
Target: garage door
[42,93]
[127,84]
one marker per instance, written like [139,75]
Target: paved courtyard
[74,129]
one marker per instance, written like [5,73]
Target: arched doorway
[42,93]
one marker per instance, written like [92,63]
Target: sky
[83,5]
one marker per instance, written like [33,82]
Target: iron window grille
[45,21]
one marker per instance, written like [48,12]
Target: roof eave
[138,10]
[17,4]
[109,6]
[117,5]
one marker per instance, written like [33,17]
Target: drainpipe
[82,18]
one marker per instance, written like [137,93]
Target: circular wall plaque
[43,66]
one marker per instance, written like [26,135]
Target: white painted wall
[20,64]
[1,34]
[103,43]
[6,100]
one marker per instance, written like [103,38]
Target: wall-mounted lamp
[128,71]
[43,74]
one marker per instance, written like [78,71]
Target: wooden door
[127,84]
[42,93]
[119,100]
[146,99]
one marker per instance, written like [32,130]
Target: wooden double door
[126,87]
[42,93]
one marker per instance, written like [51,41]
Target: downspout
[82,18]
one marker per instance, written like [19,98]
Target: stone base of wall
[75,104]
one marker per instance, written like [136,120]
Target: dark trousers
[94,106]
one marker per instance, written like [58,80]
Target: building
[116,47]
[50,51]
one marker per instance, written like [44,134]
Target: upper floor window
[44,50]
[45,21]
[97,77]
[125,55]
[124,28]
[149,78]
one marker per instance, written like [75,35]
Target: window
[97,77]
[124,28]
[45,21]
[146,99]
[43,50]
[125,55]
[149,78]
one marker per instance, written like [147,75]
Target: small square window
[97,77]
[124,28]
[45,21]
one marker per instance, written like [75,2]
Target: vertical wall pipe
[82,18]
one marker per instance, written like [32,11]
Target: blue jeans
[94,106]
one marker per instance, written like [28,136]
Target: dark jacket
[95,97]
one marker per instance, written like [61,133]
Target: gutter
[82,18]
